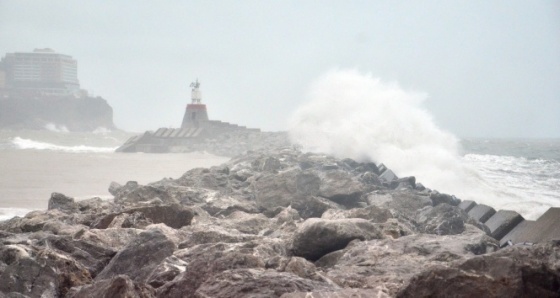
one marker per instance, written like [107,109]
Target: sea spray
[349,114]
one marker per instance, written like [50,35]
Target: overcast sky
[490,68]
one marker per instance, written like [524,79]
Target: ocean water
[355,115]
[33,164]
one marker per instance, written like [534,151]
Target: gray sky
[490,68]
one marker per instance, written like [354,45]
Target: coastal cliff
[274,223]
[74,114]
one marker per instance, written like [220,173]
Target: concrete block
[546,228]
[159,132]
[382,168]
[502,222]
[467,205]
[175,133]
[388,176]
[168,132]
[548,225]
[482,212]
[519,233]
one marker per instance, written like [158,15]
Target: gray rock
[439,198]
[61,202]
[90,255]
[391,263]
[443,219]
[317,237]
[403,183]
[47,274]
[273,191]
[341,187]
[206,261]
[114,188]
[140,257]
[403,203]
[143,194]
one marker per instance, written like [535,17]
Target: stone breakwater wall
[275,223]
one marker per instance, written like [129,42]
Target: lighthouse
[196,112]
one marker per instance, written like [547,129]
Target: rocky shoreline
[274,223]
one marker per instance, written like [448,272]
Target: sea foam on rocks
[276,223]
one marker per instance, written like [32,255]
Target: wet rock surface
[275,223]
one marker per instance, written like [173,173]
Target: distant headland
[41,88]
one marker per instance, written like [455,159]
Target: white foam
[101,130]
[56,128]
[349,114]
[21,143]
[527,186]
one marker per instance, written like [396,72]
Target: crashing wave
[21,143]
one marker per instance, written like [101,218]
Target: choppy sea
[33,164]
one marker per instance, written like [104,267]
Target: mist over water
[354,115]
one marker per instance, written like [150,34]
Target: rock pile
[279,223]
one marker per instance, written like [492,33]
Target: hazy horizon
[488,69]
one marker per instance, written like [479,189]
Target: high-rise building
[42,71]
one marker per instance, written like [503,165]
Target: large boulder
[443,219]
[140,257]
[61,202]
[276,190]
[90,255]
[205,261]
[317,237]
[391,263]
[341,187]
